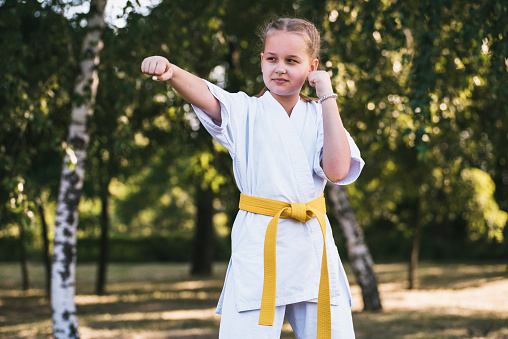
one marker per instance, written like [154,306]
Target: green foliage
[174,247]
[482,214]
[413,76]
[422,89]
[144,135]
[34,91]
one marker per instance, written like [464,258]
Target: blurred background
[423,90]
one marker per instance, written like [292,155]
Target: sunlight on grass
[168,315]
[96,299]
[87,332]
[194,285]
[468,295]
[28,329]
[141,296]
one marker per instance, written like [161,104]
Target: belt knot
[299,212]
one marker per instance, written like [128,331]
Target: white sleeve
[355,167]
[234,108]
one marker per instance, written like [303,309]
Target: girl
[284,147]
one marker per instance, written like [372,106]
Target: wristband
[324,97]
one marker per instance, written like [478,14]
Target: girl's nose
[280,69]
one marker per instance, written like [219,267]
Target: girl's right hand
[157,66]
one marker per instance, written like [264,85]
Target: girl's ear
[314,65]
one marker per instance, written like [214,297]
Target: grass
[163,301]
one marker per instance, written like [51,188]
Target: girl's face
[285,63]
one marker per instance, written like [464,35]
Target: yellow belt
[302,212]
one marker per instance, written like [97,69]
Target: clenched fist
[321,81]
[157,66]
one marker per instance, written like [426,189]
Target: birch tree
[65,323]
[358,252]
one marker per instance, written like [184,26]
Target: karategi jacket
[276,156]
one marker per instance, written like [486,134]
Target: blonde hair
[308,32]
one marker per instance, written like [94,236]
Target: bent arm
[336,159]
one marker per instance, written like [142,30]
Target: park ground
[158,300]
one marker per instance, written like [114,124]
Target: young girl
[284,147]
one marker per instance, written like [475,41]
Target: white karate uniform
[276,156]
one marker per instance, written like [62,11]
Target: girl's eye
[270,58]
[292,61]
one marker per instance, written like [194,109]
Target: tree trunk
[25,282]
[358,252]
[65,324]
[45,249]
[103,255]
[415,248]
[204,239]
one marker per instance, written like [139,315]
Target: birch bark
[65,324]
[358,252]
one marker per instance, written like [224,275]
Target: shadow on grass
[432,276]
[459,279]
[427,325]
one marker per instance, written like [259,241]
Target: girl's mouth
[280,81]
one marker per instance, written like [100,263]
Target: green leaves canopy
[422,84]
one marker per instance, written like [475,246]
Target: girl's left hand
[321,81]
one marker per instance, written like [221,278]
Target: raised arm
[336,151]
[192,89]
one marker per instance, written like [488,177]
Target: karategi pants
[301,316]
